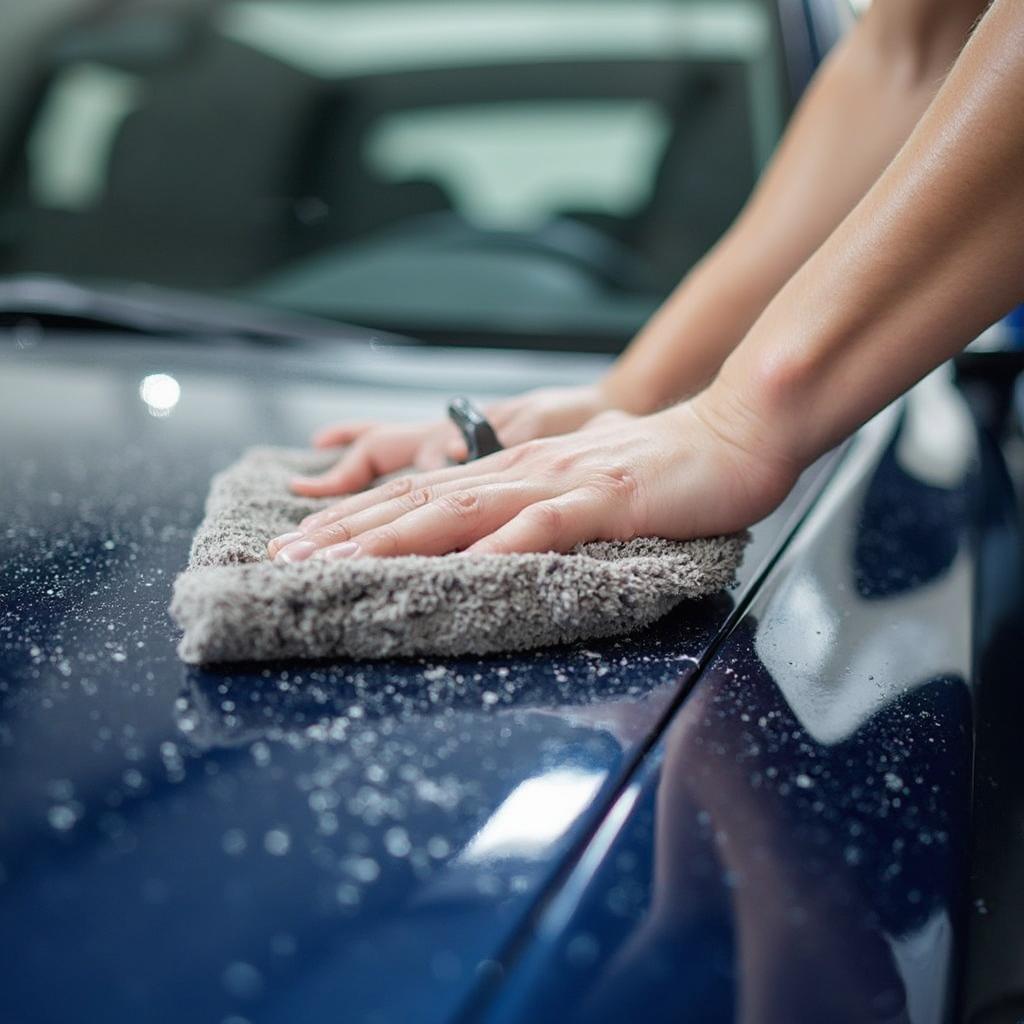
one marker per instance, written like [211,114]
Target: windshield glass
[493,170]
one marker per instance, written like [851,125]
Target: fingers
[486,519]
[443,446]
[451,523]
[390,491]
[352,472]
[540,496]
[555,524]
[520,428]
[389,495]
[456,450]
[351,527]
[375,453]
[393,489]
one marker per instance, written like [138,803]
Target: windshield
[493,170]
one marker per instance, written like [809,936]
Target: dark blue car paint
[190,845]
[771,855]
[411,841]
[362,794]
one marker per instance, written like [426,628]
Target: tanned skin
[887,233]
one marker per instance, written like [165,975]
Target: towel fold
[235,605]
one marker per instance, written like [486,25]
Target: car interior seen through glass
[498,169]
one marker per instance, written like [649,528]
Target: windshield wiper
[148,309]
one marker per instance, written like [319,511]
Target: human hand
[685,472]
[377,449]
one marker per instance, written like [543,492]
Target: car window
[505,171]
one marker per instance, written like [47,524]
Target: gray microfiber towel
[235,605]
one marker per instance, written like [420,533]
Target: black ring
[476,431]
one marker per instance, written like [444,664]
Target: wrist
[759,418]
[642,397]
[615,391]
[719,442]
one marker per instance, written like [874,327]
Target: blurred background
[491,172]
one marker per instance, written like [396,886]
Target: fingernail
[346,550]
[298,551]
[287,538]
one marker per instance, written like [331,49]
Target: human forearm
[931,256]
[858,112]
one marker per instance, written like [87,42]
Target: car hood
[269,841]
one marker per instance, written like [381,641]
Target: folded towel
[235,605]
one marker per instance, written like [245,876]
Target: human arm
[857,112]
[927,259]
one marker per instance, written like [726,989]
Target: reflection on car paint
[795,849]
[182,844]
[187,844]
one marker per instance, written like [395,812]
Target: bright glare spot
[160,392]
[534,814]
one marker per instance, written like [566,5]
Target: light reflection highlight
[160,392]
[534,815]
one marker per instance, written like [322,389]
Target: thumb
[354,471]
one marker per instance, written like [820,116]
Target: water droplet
[233,842]
[277,842]
[438,847]
[242,980]
[62,817]
[396,842]
[363,869]
[347,894]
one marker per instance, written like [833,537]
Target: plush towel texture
[235,605]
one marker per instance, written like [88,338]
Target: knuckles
[546,517]
[417,498]
[617,493]
[333,533]
[619,482]
[396,488]
[460,505]
[384,540]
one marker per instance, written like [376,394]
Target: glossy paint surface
[280,843]
[794,849]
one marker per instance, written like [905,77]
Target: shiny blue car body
[779,776]
[758,808]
